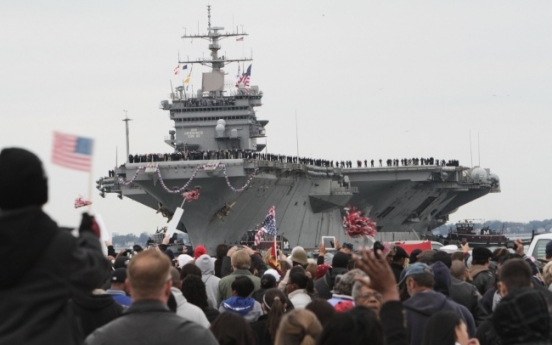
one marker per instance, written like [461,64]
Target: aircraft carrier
[215,149]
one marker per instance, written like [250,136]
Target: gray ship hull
[309,202]
[216,122]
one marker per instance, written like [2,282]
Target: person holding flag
[269,227]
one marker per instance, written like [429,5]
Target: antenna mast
[296,134]
[213,35]
[478,149]
[471,156]
[126,119]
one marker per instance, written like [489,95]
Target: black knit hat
[481,254]
[522,317]
[340,259]
[23,181]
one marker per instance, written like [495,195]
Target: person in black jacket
[95,309]
[325,284]
[43,266]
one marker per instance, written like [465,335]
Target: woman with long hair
[298,327]
[232,329]
[195,292]
[447,328]
[275,304]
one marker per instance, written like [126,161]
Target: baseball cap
[417,268]
[400,253]
[119,275]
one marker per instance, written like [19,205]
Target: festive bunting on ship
[183,188]
[356,225]
[81,202]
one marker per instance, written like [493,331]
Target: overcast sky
[386,79]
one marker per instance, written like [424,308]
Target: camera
[511,245]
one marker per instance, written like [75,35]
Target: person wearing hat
[42,265]
[399,261]
[118,288]
[522,317]
[298,258]
[325,285]
[211,281]
[423,302]
[483,278]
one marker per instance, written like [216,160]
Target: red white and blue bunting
[183,188]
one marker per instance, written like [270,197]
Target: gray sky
[367,80]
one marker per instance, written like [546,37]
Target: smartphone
[329,242]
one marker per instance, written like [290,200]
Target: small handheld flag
[73,152]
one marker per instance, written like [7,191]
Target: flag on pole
[244,79]
[269,226]
[187,80]
[185,67]
[176,69]
[73,152]
[239,39]
[273,261]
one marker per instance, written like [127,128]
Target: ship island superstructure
[215,150]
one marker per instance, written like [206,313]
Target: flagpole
[90,179]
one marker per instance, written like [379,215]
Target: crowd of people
[57,287]
[249,154]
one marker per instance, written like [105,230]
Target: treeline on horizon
[508,227]
[538,226]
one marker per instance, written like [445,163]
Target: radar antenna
[126,119]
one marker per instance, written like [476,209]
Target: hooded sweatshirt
[419,309]
[95,310]
[207,267]
[442,284]
[42,268]
[247,307]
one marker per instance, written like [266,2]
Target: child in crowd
[240,302]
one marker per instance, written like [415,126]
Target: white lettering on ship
[193,133]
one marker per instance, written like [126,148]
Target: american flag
[258,237]
[269,224]
[239,39]
[176,69]
[244,79]
[72,151]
